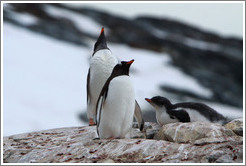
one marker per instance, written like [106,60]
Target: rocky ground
[195,142]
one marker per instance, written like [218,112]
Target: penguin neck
[101,50]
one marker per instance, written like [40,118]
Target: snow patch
[201,44]
[82,22]
[24,18]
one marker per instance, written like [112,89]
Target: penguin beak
[102,31]
[101,42]
[148,100]
[130,62]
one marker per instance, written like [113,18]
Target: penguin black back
[203,109]
[101,42]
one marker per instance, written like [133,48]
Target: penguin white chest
[163,117]
[101,66]
[118,109]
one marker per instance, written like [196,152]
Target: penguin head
[122,68]
[159,102]
[101,42]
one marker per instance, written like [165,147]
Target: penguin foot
[91,122]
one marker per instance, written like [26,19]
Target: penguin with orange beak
[102,63]
[166,112]
[116,104]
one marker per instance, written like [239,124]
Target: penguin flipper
[181,115]
[138,116]
[100,101]
[99,109]
[88,86]
[89,111]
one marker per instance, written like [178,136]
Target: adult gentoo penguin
[102,63]
[116,104]
[166,112]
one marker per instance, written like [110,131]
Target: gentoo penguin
[116,104]
[166,112]
[102,63]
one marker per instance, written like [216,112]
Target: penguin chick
[166,112]
[102,63]
[116,104]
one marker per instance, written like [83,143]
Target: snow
[152,69]
[26,18]
[22,18]
[223,18]
[82,22]
[198,44]
[44,80]
[201,44]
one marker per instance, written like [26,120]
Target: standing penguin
[166,112]
[102,63]
[116,104]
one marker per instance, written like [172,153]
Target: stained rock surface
[236,126]
[190,132]
[78,144]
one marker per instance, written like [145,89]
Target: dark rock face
[77,144]
[215,61]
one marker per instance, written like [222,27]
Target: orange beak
[102,30]
[130,62]
[148,100]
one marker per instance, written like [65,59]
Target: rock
[190,132]
[78,145]
[236,126]
[107,161]
[150,130]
